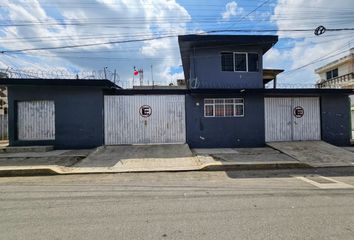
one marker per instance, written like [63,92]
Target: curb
[49,171]
[261,166]
[28,172]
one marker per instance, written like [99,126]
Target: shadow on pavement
[285,173]
[64,158]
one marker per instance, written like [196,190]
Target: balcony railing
[336,82]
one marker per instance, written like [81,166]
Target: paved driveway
[316,153]
[110,156]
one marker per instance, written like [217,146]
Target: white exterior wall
[343,69]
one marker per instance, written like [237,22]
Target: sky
[54,24]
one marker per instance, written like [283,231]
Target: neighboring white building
[3,100]
[3,95]
[339,74]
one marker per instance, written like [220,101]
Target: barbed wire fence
[292,86]
[104,74]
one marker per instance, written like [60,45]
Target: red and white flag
[136,72]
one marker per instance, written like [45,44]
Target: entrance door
[144,119]
[292,119]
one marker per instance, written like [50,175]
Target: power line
[111,35]
[172,49]
[162,37]
[322,58]
[248,14]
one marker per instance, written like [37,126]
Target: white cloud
[303,14]
[97,21]
[274,57]
[231,10]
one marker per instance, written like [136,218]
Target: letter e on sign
[145,111]
[298,112]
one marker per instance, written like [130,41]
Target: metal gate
[144,119]
[36,120]
[292,119]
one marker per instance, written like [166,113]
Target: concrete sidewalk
[172,158]
[152,158]
[39,162]
[316,153]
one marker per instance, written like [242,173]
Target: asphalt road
[188,205]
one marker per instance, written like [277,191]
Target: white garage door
[35,120]
[292,119]
[142,119]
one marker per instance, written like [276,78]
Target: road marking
[325,182]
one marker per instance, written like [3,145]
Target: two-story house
[228,105]
[225,104]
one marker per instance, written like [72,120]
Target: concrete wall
[249,131]
[206,67]
[335,119]
[78,115]
[214,132]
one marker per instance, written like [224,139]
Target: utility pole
[105,74]
[152,76]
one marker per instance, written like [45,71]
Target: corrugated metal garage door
[278,126]
[142,119]
[36,120]
[292,119]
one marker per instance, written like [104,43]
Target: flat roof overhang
[270,74]
[145,91]
[57,82]
[277,91]
[266,91]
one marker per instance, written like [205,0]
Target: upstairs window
[332,74]
[239,62]
[227,62]
[253,62]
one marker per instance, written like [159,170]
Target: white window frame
[224,104]
[244,53]
[331,72]
[234,60]
[258,67]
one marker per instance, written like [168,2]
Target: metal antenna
[152,76]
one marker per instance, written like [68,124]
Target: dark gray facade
[336,119]
[206,69]
[78,114]
[201,59]
[249,130]
[210,132]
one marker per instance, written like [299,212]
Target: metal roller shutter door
[35,120]
[124,123]
[282,124]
